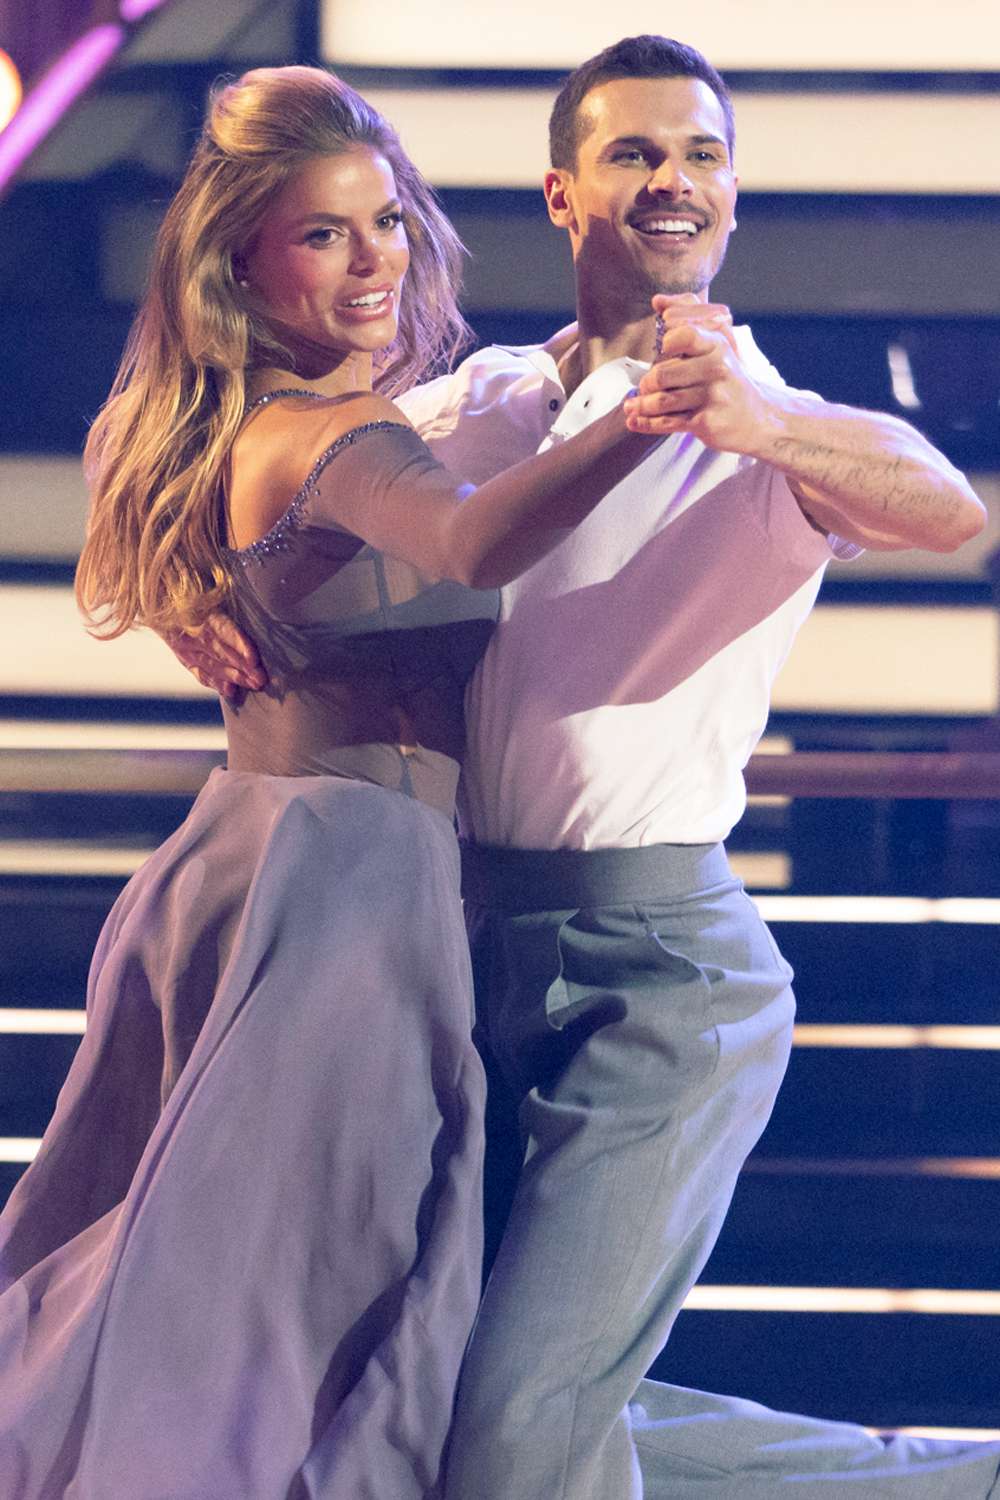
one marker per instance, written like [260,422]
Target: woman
[246,1259]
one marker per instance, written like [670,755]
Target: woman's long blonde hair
[157,452]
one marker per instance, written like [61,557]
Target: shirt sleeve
[789,528]
[785,514]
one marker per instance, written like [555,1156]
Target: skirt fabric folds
[246,1260]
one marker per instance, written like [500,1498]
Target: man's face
[649,206]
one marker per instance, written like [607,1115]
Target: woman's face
[328,261]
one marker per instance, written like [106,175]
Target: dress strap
[277,539]
[288,390]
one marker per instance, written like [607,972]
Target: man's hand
[865,476]
[220,656]
[699,384]
[674,312]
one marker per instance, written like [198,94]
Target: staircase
[857,1276]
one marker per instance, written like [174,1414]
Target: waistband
[560,879]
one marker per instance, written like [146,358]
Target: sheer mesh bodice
[367,656]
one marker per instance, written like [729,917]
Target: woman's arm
[388,489]
[383,485]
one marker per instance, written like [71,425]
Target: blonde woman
[245,1262]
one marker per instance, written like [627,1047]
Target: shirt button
[554,404]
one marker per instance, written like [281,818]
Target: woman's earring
[243,282]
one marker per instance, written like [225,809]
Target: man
[630,1001]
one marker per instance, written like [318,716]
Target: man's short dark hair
[633,57]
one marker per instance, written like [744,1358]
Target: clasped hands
[699,383]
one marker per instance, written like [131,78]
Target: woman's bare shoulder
[278,448]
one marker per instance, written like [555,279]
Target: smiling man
[642,178]
[634,1011]
[632,1007]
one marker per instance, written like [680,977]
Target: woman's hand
[699,383]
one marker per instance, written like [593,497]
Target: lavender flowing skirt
[246,1260]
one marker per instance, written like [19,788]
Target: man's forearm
[869,475]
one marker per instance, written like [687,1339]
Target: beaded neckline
[277,539]
[286,390]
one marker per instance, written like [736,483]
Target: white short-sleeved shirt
[629,677]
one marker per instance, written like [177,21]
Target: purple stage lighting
[63,83]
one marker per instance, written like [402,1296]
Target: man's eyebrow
[648,144]
[630,140]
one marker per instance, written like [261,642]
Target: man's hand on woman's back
[220,656]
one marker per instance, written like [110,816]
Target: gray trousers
[637,1008]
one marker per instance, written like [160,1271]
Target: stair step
[908,1103]
[892,1370]
[792,1224]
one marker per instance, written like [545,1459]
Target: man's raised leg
[648,1071]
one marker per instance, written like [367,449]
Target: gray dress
[245,1262]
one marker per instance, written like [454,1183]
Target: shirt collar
[539,357]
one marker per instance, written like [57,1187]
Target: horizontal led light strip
[524,35]
[18,1148]
[23,1021]
[71,857]
[981,1168]
[844,1299]
[83,734]
[761,869]
[933,1301]
[68,857]
[960,1038]
[973,911]
[847,659]
[945,1434]
[41,1021]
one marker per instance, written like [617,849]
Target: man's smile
[654,223]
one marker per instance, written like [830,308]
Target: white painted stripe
[848,1299]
